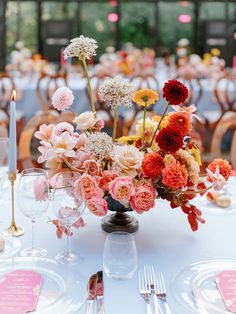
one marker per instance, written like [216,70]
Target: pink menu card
[226,283]
[19,291]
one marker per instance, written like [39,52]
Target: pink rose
[41,189]
[143,199]
[121,189]
[92,167]
[62,98]
[85,184]
[97,206]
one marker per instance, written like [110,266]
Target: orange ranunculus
[175,176]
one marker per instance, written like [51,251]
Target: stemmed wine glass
[33,200]
[68,206]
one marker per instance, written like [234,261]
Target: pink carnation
[121,189]
[143,199]
[98,206]
[62,98]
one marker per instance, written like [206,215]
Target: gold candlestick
[13,229]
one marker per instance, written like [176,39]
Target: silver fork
[161,292]
[145,291]
[151,277]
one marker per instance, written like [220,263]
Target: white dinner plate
[194,286]
[12,246]
[62,292]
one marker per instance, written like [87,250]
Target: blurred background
[147,42]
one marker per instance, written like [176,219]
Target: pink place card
[19,291]
[226,283]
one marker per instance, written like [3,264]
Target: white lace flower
[100,144]
[116,91]
[81,47]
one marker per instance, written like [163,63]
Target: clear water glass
[33,201]
[120,255]
[68,208]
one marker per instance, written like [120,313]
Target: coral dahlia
[180,121]
[175,176]
[153,164]
[224,167]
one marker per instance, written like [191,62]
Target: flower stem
[159,124]
[144,123]
[115,124]
[89,86]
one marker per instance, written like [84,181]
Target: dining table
[164,239]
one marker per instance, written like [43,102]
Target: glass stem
[68,240]
[32,235]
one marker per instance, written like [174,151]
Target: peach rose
[92,167]
[175,176]
[85,120]
[129,158]
[121,189]
[86,184]
[97,206]
[143,199]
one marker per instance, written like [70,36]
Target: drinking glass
[33,201]
[120,255]
[68,207]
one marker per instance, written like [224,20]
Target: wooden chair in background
[27,155]
[46,86]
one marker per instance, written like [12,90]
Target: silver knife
[92,284]
[100,293]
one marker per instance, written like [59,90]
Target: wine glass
[68,206]
[33,200]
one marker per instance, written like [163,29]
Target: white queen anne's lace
[100,144]
[116,91]
[81,47]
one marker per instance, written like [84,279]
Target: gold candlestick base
[13,230]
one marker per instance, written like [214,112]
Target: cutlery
[145,291]
[161,292]
[100,292]
[152,282]
[92,286]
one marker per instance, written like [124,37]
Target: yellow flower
[145,97]
[130,140]
[195,152]
[150,127]
[164,122]
[215,52]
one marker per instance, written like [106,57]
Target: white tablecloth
[164,239]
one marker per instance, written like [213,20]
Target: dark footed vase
[120,220]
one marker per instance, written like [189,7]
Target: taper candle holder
[13,229]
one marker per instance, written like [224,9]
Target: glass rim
[130,237]
[33,172]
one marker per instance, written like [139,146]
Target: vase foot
[119,222]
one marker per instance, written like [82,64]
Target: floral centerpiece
[128,173]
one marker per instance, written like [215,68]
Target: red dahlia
[181,122]
[169,139]
[175,92]
[152,165]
